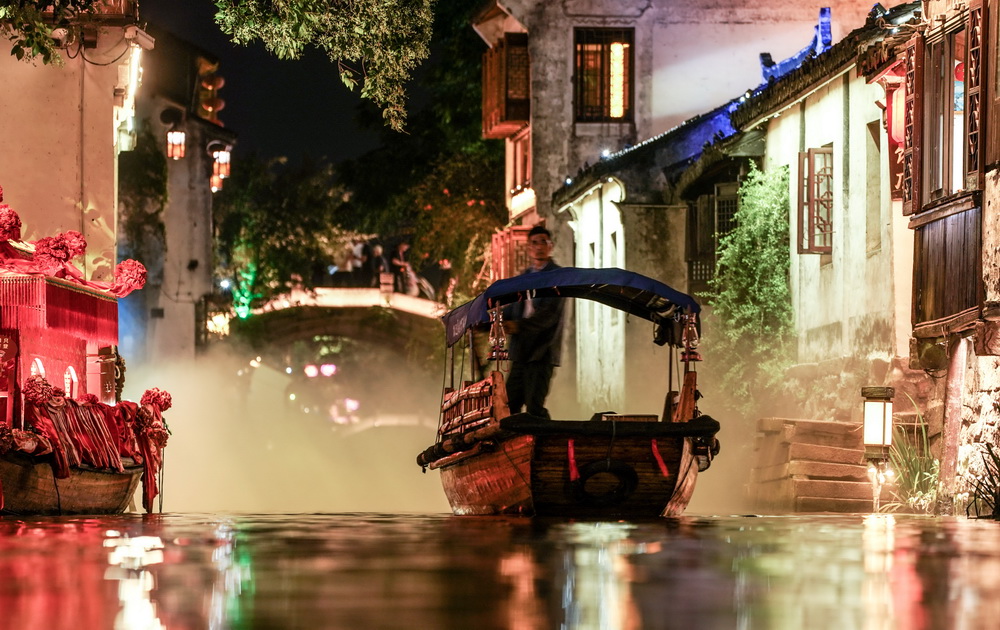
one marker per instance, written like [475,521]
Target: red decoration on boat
[10,223]
[130,275]
[158,397]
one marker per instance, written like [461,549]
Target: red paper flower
[10,223]
[130,275]
[87,399]
[51,251]
[37,390]
[75,243]
[158,397]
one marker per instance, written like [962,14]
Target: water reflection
[129,559]
[384,571]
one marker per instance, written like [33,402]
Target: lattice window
[816,201]
[603,75]
[945,150]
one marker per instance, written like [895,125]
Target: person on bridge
[534,331]
[405,281]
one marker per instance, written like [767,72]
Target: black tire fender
[628,481]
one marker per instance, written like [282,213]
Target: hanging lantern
[221,166]
[897,114]
[175,144]
[216,183]
[878,421]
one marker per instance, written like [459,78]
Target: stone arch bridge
[391,320]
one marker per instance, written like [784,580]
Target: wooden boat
[612,465]
[31,487]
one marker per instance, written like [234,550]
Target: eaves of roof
[778,94]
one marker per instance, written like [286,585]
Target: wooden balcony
[506,87]
[947,267]
[509,252]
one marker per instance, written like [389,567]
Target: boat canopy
[624,290]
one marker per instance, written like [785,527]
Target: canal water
[436,571]
[274,518]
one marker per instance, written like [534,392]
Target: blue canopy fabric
[620,289]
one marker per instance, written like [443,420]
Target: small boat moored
[68,444]
[612,465]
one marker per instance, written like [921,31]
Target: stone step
[772,453]
[826,504]
[812,470]
[825,433]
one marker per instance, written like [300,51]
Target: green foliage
[375,43]
[915,470]
[750,295]
[30,30]
[275,226]
[142,194]
[986,486]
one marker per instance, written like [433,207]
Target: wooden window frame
[592,74]
[815,201]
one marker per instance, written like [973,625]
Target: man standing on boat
[534,331]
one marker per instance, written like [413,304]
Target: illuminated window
[603,75]
[944,142]
[816,201]
[37,369]
[70,382]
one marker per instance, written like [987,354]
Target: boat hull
[570,473]
[29,488]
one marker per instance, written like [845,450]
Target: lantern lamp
[216,183]
[221,165]
[878,421]
[175,144]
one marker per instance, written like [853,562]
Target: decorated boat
[615,465]
[68,444]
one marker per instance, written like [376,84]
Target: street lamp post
[877,437]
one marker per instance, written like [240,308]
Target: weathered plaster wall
[600,331]
[851,306]
[186,272]
[59,167]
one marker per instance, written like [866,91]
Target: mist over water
[238,446]
[244,449]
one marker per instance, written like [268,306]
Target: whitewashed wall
[58,162]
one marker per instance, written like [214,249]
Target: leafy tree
[26,24]
[275,228]
[376,44]
[458,210]
[399,188]
[750,294]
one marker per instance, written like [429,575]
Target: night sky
[277,108]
